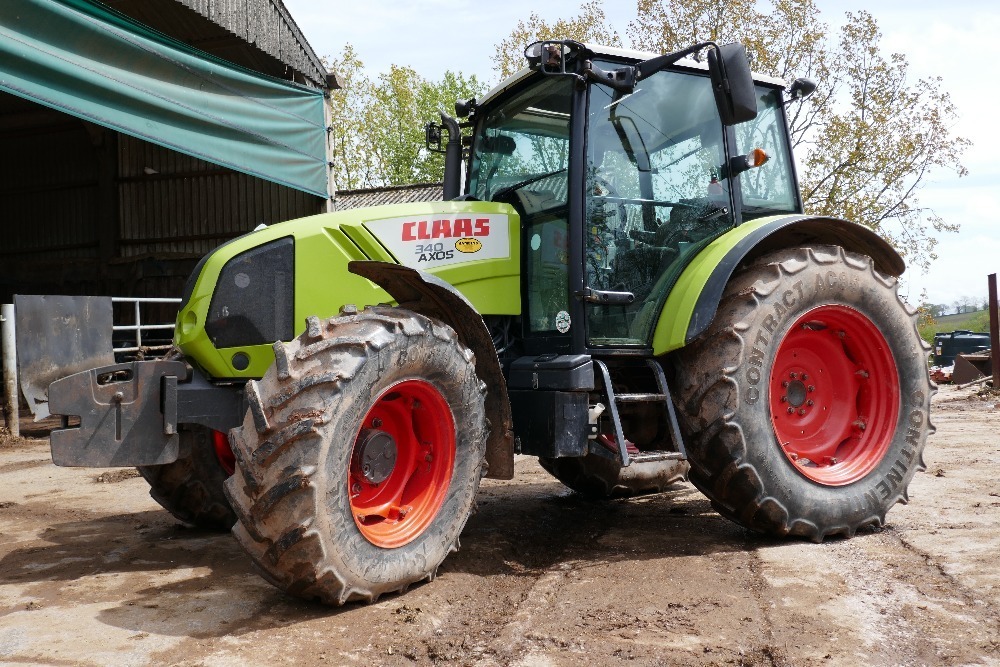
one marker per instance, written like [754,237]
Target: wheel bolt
[784,399]
[376,423]
[794,376]
[356,488]
[804,377]
[860,425]
[428,457]
[802,411]
[811,387]
[785,383]
[791,410]
[809,403]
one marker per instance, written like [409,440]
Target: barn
[139,134]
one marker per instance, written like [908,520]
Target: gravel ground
[93,572]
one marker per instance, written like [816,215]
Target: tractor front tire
[359,460]
[191,488]
[805,405]
[597,477]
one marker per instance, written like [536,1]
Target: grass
[977,321]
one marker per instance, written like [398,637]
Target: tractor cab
[623,169]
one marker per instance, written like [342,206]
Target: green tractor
[621,282]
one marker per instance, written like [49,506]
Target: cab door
[521,156]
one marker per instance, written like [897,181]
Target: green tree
[353,165]
[872,153]
[378,136]
[866,140]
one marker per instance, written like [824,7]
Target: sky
[938,39]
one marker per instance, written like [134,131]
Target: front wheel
[190,488]
[806,403]
[359,460]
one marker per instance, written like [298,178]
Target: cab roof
[615,53]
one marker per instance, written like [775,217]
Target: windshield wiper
[527,181]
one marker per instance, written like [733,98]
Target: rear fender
[693,301]
[429,295]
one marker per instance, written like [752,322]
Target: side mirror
[432,137]
[552,56]
[500,144]
[732,83]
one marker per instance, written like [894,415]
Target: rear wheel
[806,403]
[597,477]
[360,458]
[190,488]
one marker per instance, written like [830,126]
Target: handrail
[138,327]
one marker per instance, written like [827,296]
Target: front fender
[693,301]
[428,295]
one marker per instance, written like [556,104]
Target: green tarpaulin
[92,62]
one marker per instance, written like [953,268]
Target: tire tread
[716,444]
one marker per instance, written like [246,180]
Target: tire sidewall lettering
[795,295]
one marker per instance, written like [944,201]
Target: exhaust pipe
[452,158]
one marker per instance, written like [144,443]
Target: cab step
[624,456]
[659,455]
[641,398]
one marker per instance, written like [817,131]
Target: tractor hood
[261,287]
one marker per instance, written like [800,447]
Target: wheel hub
[375,455]
[402,463]
[796,393]
[834,395]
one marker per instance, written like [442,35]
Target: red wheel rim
[401,463]
[834,395]
[223,452]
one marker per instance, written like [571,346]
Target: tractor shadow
[522,529]
[154,575]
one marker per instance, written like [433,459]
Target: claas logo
[444,228]
[468,245]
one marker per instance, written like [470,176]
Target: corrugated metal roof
[258,34]
[396,194]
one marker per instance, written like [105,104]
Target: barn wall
[138,230]
[48,192]
[175,205]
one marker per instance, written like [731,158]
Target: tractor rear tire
[359,460]
[191,488]
[805,405]
[597,477]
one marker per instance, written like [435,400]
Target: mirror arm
[621,79]
[654,65]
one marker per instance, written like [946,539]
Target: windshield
[656,194]
[524,139]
